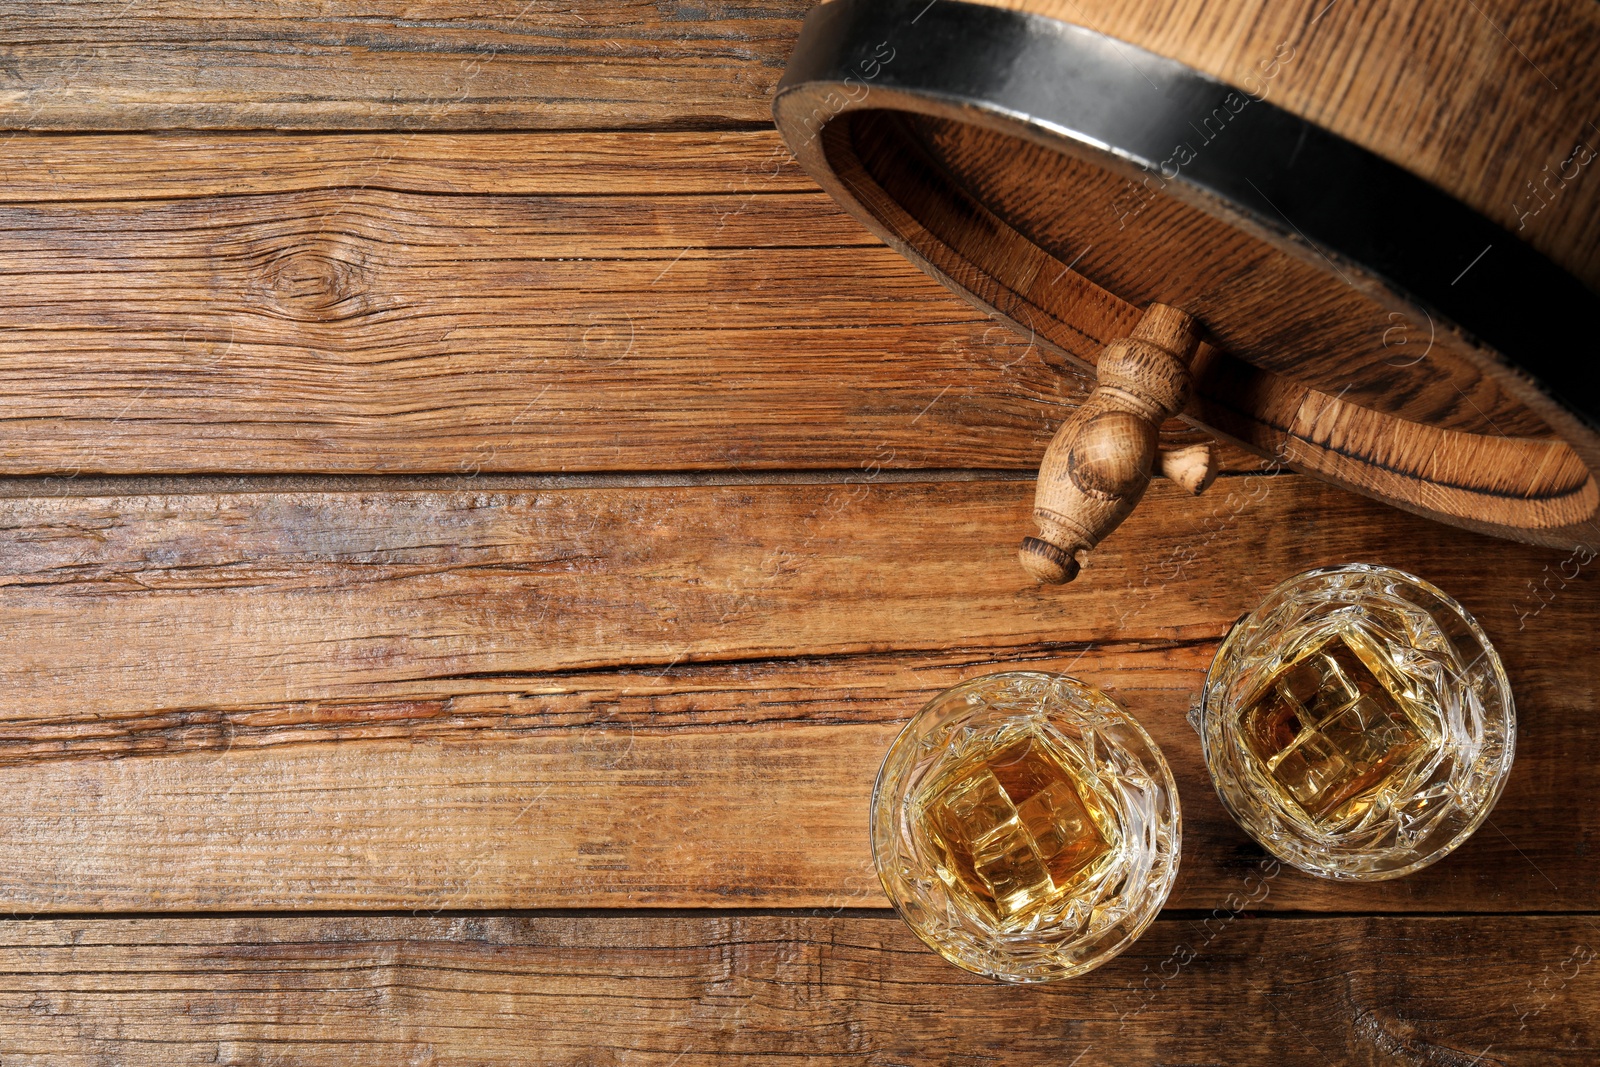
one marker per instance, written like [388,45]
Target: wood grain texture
[1101,460]
[479,303]
[1308,373]
[143,167]
[473,65]
[338,64]
[1484,102]
[612,991]
[434,682]
[660,696]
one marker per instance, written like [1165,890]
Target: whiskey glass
[1358,724]
[1025,826]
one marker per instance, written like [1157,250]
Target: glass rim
[1148,756]
[1224,780]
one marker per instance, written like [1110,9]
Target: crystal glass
[1025,826]
[1358,724]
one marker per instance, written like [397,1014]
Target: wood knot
[320,278]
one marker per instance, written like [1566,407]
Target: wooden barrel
[1384,220]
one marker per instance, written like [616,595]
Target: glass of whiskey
[1025,827]
[1358,724]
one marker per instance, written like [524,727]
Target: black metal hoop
[1287,176]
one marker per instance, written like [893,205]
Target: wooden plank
[462,304]
[56,169]
[489,64]
[662,695]
[700,989]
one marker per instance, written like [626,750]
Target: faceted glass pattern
[1025,827]
[1358,723]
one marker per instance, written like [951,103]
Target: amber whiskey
[1336,728]
[1015,825]
[1358,723]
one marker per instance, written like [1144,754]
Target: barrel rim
[1316,193]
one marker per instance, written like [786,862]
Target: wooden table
[474,516]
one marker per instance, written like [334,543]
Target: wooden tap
[1101,459]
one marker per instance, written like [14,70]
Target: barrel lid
[1362,325]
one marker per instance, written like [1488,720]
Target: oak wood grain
[666,695]
[1455,436]
[485,64]
[479,303]
[1485,102]
[186,165]
[338,64]
[700,989]
[1102,458]
[431,682]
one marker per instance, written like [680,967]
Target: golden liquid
[1334,729]
[1014,828]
